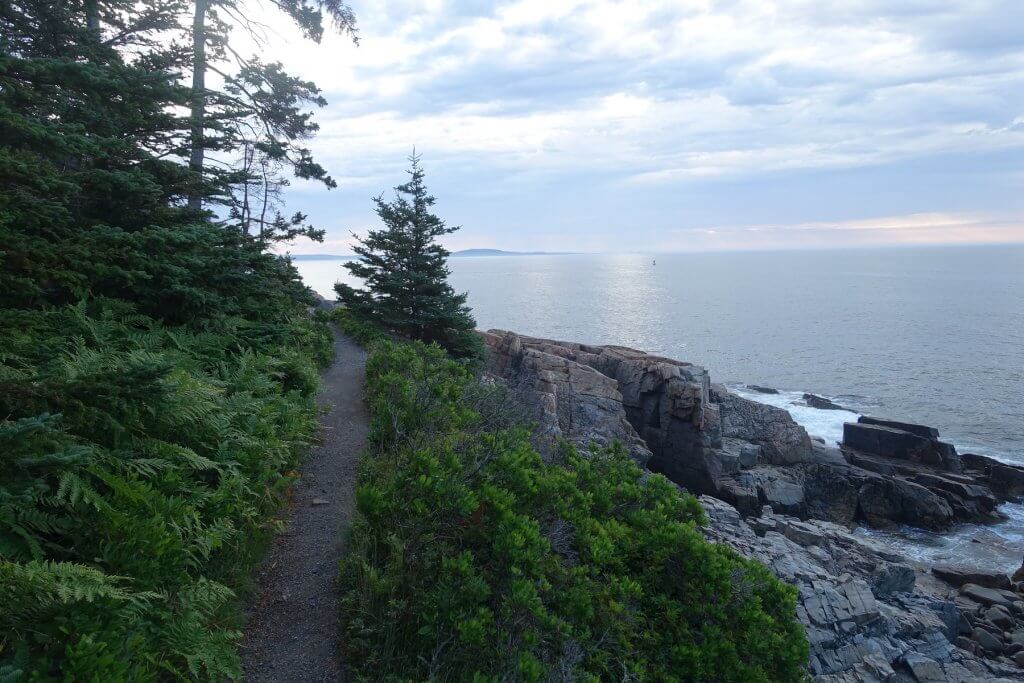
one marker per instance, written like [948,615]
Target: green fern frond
[73,489]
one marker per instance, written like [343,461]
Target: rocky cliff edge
[774,494]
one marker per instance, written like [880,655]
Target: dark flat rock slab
[987,596]
[961,577]
[919,430]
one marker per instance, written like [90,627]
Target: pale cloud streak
[909,230]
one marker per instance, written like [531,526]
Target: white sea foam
[827,424]
[997,546]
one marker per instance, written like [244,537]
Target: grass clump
[474,559]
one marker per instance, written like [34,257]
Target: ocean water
[932,335]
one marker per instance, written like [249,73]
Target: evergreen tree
[82,141]
[93,145]
[258,113]
[156,365]
[406,274]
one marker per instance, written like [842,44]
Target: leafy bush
[139,465]
[472,559]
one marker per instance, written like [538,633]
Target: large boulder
[900,441]
[777,488]
[782,440]
[887,501]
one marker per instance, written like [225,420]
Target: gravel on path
[291,632]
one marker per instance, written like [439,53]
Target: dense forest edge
[157,363]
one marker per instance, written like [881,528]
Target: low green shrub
[359,329]
[473,559]
[139,466]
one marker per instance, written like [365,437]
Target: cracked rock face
[670,416]
[776,496]
[865,617]
[571,400]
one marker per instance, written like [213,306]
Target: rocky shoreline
[774,494]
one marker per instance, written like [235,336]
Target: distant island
[463,252]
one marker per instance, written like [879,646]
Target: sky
[682,125]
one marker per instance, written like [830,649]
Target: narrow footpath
[292,629]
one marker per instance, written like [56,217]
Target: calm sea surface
[931,335]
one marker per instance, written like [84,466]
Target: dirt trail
[292,628]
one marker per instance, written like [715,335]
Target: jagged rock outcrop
[571,401]
[712,441]
[913,454]
[782,441]
[777,496]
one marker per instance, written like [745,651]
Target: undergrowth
[140,464]
[473,559]
[362,331]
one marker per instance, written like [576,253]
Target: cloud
[655,95]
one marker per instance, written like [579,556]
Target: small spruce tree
[405,273]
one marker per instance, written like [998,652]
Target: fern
[73,489]
[134,469]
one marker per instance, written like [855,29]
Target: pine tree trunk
[198,114]
[266,199]
[246,211]
[92,15]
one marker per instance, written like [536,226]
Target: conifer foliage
[157,367]
[406,273]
